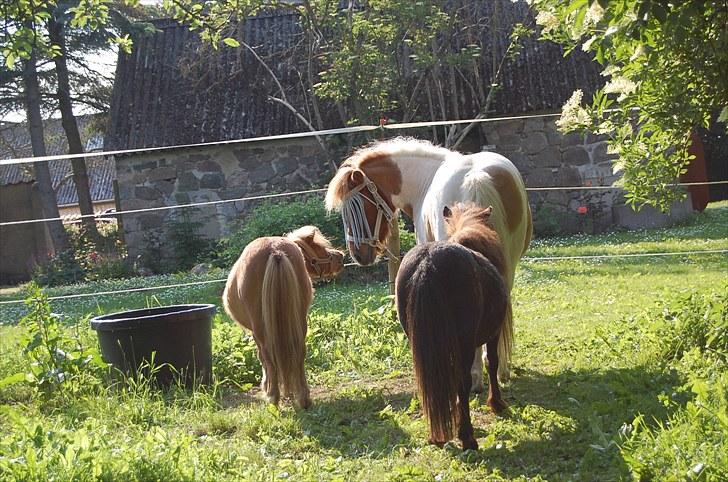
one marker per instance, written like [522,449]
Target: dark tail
[436,351]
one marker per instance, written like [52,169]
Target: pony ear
[488,211]
[309,237]
[355,178]
[446,212]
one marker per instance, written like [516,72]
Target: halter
[355,219]
[316,262]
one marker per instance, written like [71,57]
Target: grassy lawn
[594,394]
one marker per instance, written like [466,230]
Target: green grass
[588,363]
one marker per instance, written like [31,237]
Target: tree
[38,29]
[398,59]
[666,63]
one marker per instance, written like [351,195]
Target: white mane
[406,146]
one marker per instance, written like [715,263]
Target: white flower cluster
[573,115]
[594,14]
[547,20]
[620,85]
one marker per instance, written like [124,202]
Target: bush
[276,219]
[89,259]
[56,361]
[188,245]
[60,269]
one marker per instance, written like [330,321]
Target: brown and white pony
[451,299]
[419,179]
[269,292]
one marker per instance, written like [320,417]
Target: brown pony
[269,292]
[451,299]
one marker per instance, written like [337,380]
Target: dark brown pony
[451,299]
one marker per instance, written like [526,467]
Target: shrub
[60,269]
[276,219]
[89,259]
[188,245]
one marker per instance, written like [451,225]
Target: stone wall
[545,158]
[198,175]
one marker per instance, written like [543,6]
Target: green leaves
[662,62]
[231,42]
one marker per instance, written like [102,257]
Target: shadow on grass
[567,425]
[360,423]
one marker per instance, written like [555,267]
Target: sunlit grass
[580,376]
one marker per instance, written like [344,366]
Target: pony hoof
[470,444]
[497,405]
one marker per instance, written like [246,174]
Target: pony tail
[436,356]
[284,319]
[505,344]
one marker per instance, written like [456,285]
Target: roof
[173,90]
[15,142]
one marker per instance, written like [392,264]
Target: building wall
[21,246]
[545,158]
[210,174]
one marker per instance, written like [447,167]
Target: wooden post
[117,205]
[393,246]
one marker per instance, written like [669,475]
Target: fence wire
[526,259]
[74,217]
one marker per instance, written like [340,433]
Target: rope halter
[315,261]
[355,219]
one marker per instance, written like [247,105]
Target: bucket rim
[163,314]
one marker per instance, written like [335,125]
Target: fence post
[117,206]
[393,246]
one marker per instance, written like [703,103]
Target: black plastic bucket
[178,339]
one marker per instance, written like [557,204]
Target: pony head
[362,190]
[322,260]
[465,215]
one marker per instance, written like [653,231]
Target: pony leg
[476,372]
[269,384]
[303,394]
[495,401]
[465,429]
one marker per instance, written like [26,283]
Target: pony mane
[468,225]
[361,158]
[313,232]
[468,216]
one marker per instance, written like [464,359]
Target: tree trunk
[48,202]
[70,126]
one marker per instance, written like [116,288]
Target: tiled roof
[15,142]
[171,90]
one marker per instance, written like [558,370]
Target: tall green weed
[690,337]
[55,359]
